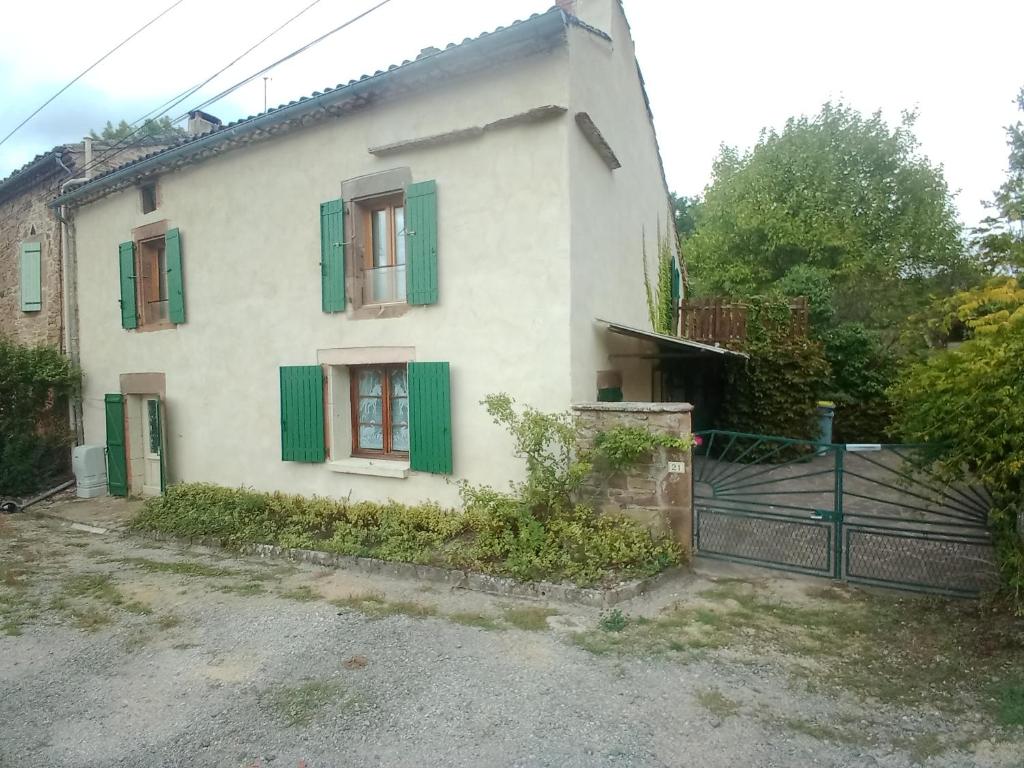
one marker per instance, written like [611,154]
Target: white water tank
[89,463]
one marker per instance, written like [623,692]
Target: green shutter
[175,278]
[163,444]
[302,413]
[332,256]
[117,459]
[421,242]
[126,257]
[430,418]
[31,278]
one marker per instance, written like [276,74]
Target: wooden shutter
[117,457]
[126,255]
[332,256]
[302,413]
[430,418]
[175,277]
[31,278]
[421,242]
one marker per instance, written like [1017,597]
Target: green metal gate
[872,514]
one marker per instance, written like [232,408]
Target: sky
[717,71]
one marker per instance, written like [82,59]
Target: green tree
[964,403]
[160,128]
[685,209]
[838,206]
[1000,238]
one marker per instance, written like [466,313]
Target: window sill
[355,465]
[161,326]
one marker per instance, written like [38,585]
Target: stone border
[453,578]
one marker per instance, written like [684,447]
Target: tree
[964,404]
[686,210]
[837,206]
[160,128]
[1000,238]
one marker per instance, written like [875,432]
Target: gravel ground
[136,655]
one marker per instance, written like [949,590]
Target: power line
[92,66]
[294,53]
[114,151]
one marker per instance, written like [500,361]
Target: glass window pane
[371,437]
[153,408]
[400,437]
[399,387]
[400,235]
[380,238]
[371,381]
[371,410]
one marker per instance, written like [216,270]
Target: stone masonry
[647,491]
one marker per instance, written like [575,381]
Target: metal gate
[871,514]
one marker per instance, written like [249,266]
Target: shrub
[35,384]
[965,404]
[862,371]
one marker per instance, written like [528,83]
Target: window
[148,195]
[380,411]
[383,229]
[153,281]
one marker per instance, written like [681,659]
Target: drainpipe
[70,266]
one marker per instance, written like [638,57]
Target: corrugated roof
[294,108]
[664,340]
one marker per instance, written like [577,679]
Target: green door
[117,460]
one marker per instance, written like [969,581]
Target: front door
[152,447]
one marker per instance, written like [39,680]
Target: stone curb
[453,578]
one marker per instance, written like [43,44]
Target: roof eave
[537,29]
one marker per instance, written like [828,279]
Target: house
[316,299]
[31,238]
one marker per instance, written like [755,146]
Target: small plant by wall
[663,294]
[35,384]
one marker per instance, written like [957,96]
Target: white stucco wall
[249,222]
[612,210]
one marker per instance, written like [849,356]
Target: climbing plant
[661,296]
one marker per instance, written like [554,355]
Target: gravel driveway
[117,653]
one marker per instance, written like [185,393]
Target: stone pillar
[650,491]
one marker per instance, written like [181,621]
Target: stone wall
[648,491]
[27,217]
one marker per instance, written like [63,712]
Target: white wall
[612,210]
[249,222]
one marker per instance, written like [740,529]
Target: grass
[879,648]
[376,606]
[532,619]
[479,620]
[717,703]
[168,621]
[298,705]
[822,731]
[179,567]
[247,589]
[302,593]
[921,747]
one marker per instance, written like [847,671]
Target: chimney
[200,122]
[87,148]
[567,6]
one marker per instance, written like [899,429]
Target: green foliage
[660,299]
[835,205]
[686,210]
[160,128]
[1000,238]
[775,390]
[35,384]
[613,621]
[965,403]
[535,531]
[863,369]
[620,447]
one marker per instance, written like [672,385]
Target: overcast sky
[717,71]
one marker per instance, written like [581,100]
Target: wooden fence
[715,321]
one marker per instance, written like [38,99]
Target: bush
[965,404]
[536,531]
[35,384]
[862,371]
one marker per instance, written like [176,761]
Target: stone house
[316,299]
[31,238]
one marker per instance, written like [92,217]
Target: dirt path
[114,653]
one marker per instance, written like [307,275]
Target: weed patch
[303,593]
[613,621]
[717,703]
[1010,702]
[377,607]
[298,705]
[179,567]
[532,619]
[478,620]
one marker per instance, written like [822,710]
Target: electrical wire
[92,66]
[113,151]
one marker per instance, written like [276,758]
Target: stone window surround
[140,234]
[338,413]
[353,191]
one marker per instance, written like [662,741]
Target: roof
[39,168]
[663,340]
[538,33]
